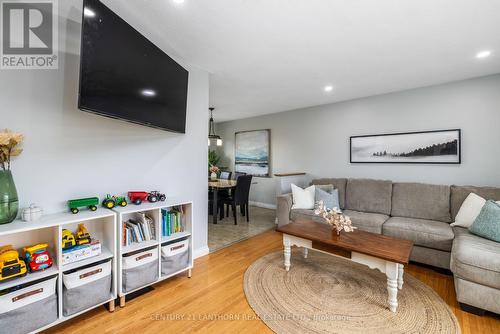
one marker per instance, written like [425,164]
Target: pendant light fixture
[211,131]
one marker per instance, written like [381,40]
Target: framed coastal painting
[252,152]
[425,147]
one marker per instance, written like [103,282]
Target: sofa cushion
[339,184]
[305,215]
[427,233]
[423,201]
[487,223]
[475,259]
[460,193]
[370,222]
[368,195]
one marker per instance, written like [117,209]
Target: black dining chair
[238,174]
[239,196]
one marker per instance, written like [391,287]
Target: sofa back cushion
[460,193]
[369,195]
[339,184]
[423,201]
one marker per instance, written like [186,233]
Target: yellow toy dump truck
[11,265]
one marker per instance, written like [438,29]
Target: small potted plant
[214,171]
[9,203]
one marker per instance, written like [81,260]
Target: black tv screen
[123,75]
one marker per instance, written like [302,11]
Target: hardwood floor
[213,301]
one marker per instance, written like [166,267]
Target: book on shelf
[139,228]
[173,220]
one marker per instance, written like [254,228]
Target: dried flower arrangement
[214,169]
[335,218]
[8,142]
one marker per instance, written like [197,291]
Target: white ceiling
[266,56]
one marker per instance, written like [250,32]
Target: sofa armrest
[284,207]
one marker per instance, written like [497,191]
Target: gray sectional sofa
[421,213]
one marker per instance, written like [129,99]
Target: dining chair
[239,196]
[238,174]
[225,175]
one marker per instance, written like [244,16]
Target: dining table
[216,185]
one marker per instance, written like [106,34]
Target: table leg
[215,208]
[305,250]
[400,276]
[391,271]
[287,252]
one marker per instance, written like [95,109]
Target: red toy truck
[37,257]
[137,197]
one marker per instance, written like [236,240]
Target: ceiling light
[328,88]
[88,12]
[483,54]
[148,92]
[211,132]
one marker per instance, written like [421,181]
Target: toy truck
[111,201]
[68,239]
[82,235]
[137,197]
[90,202]
[37,257]
[11,265]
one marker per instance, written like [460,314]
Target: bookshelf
[101,225]
[154,211]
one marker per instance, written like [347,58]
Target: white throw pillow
[303,198]
[469,210]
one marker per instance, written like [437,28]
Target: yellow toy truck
[68,239]
[82,235]
[11,265]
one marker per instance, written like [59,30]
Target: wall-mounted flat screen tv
[123,75]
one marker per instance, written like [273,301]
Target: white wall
[316,140]
[69,153]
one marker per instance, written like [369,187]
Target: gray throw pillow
[330,199]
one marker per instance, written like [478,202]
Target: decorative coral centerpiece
[335,218]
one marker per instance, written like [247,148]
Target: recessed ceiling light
[328,88]
[88,12]
[148,92]
[483,54]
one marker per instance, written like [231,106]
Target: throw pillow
[469,210]
[330,198]
[303,198]
[487,223]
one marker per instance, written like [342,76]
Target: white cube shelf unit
[151,249]
[101,225]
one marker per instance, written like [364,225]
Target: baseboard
[200,252]
[263,205]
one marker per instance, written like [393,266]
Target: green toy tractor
[111,201]
[90,203]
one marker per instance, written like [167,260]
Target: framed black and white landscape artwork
[425,147]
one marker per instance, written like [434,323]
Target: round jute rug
[328,294]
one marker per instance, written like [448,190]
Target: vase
[9,203]
[213,176]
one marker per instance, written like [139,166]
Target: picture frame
[252,152]
[420,147]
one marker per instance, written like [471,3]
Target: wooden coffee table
[387,254]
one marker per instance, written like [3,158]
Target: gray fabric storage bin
[140,269]
[33,315]
[86,287]
[174,257]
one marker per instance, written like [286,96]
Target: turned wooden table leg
[391,271]
[189,273]
[122,301]
[287,252]
[400,276]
